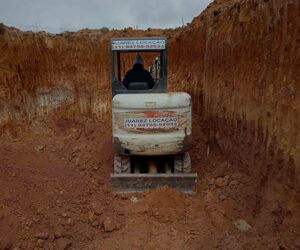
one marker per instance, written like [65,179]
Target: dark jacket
[138,74]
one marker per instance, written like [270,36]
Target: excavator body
[151,128]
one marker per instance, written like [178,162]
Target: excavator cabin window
[124,62]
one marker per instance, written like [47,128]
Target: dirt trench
[238,60]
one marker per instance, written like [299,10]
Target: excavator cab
[154,53]
[151,127]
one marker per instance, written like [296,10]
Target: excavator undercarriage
[134,174]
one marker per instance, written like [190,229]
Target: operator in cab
[138,75]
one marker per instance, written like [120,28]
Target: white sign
[157,44]
[151,123]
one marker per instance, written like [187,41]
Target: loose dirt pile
[56,195]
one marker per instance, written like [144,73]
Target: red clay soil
[239,60]
[56,194]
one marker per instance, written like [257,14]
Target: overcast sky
[59,15]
